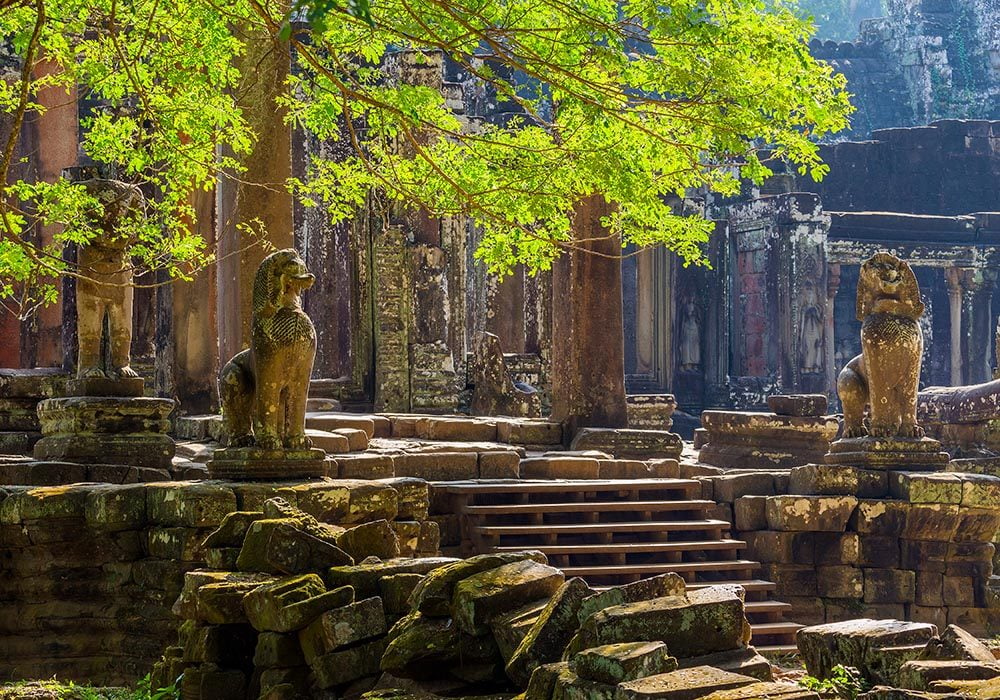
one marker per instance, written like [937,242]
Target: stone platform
[20,392]
[106,430]
[912,454]
[250,463]
[752,440]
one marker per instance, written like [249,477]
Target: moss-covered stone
[480,598]
[346,665]
[342,627]
[374,539]
[644,589]
[365,575]
[615,663]
[291,603]
[552,631]
[423,647]
[434,595]
[233,529]
[282,546]
[683,684]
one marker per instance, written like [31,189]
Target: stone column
[829,344]
[977,302]
[260,196]
[588,349]
[953,275]
[505,308]
[56,132]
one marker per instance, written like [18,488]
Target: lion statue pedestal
[885,376]
[264,388]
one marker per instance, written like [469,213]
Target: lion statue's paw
[298,442]
[912,431]
[269,442]
[92,372]
[126,371]
[855,431]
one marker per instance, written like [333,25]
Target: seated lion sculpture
[886,374]
[264,388]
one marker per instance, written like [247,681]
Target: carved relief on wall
[689,349]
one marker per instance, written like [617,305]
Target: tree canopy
[636,101]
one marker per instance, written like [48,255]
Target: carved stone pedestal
[123,430]
[20,392]
[910,454]
[624,443]
[254,463]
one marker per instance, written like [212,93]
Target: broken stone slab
[921,675]
[682,684]
[882,692]
[346,665]
[276,650]
[233,529]
[256,463]
[510,629]
[481,597]
[364,576]
[624,443]
[856,643]
[658,586]
[751,440]
[543,680]
[707,620]
[745,661]
[765,691]
[570,686]
[957,644]
[615,663]
[190,603]
[810,513]
[343,627]
[433,596]
[282,546]
[289,604]
[798,404]
[422,647]
[552,631]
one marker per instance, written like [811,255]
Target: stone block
[569,686]
[373,539]
[792,578]
[928,588]
[810,513]
[889,586]
[624,443]
[931,522]
[189,504]
[233,529]
[637,469]
[116,508]
[179,543]
[276,650]
[658,586]
[917,487]
[839,582]
[879,517]
[703,621]
[422,646]
[926,555]
[744,661]
[438,466]
[911,454]
[395,592]
[510,628]
[500,464]
[856,642]
[456,429]
[774,547]
[555,626]
[289,604]
[365,466]
[357,439]
[364,577]
[936,615]
[255,463]
[977,524]
[209,681]
[730,487]
[838,549]
[959,591]
[346,665]
[980,491]
[615,663]
[750,513]
[283,546]
[835,480]
[329,442]
[342,627]
[560,468]
[332,421]
[528,432]
[485,595]
[412,497]
[798,404]
[920,675]
[683,684]
[344,502]
[879,551]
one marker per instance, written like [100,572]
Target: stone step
[569,486]
[589,507]
[634,547]
[603,528]
[750,585]
[766,606]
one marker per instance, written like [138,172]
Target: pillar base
[912,454]
[253,463]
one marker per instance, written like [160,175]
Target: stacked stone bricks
[90,571]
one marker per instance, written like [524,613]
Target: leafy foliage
[638,102]
[844,682]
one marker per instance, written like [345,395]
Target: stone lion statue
[264,388]
[886,374]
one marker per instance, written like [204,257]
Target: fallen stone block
[483,596]
[764,691]
[543,680]
[798,404]
[233,529]
[554,628]
[373,539]
[422,647]
[682,684]
[276,650]
[346,665]
[917,487]
[704,621]
[281,546]
[645,589]
[209,682]
[342,627]
[413,497]
[920,675]
[958,645]
[433,596]
[615,663]
[569,686]
[364,576]
[289,604]
[510,629]
[856,642]
[745,661]
[626,443]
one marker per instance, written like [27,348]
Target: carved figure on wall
[264,388]
[690,340]
[494,393]
[885,376]
[105,290]
[811,334]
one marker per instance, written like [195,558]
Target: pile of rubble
[307,609]
[903,660]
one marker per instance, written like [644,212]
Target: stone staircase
[611,532]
